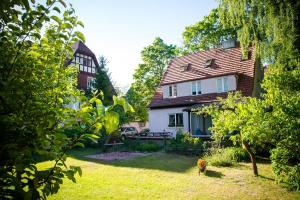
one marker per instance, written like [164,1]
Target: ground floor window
[200,124]
[176,120]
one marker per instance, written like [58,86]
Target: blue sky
[119,29]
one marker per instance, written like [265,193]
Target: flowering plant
[201,165]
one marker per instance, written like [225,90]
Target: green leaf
[66,25]
[56,9]
[36,35]
[111,121]
[98,126]
[63,3]
[91,136]
[80,23]
[80,35]
[55,18]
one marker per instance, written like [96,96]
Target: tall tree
[148,75]
[103,81]
[273,27]
[207,33]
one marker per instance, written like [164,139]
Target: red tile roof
[226,62]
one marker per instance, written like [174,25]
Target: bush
[186,144]
[294,178]
[144,147]
[226,157]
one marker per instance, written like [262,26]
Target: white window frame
[89,81]
[198,88]
[175,124]
[223,87]
[174,91]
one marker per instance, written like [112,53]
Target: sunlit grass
[165,176]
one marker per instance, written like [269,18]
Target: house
[198,79]
[88,65]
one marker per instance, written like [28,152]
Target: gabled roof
[80,47]
[225,61]
[221,62]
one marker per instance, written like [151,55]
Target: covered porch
[198,125]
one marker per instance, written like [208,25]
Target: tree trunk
[252,157]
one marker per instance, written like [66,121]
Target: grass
[167,176]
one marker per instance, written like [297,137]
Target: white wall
[207,86]
[159,120]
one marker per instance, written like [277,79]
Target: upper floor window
[196,87]
[90,83]
[222,84]
[172,90]
[85,63]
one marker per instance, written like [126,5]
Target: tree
[207,33]
[148,75]
[103,81]
[239,118]
[35,89]
[273,27]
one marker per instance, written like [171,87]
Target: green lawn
[166,176]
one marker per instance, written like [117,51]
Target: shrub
[294,178]
[185,143]
[145,147]
[149,146]
[226,157]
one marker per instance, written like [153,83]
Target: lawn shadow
[156,161]
[214,174]
[267,178]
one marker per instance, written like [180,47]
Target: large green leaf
[111,121]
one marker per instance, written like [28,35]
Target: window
[176,120]
[90,82]
[85,63]
[222,84]
[196,87]
[219,85]
[172,122]
[225,84]
[175,90]
[172,90]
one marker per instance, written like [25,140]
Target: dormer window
[208,63]
[186,67]
[247,57]
[196,87]
[173,91]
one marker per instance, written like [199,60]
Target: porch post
[189,121]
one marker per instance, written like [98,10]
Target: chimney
[230,43]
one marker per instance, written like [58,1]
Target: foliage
[225,156]
[143,146]
[148,75]
[274,27]
[242,120]
[35,90]
[206,33]
[220,158]
[103,81]
[185,143]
